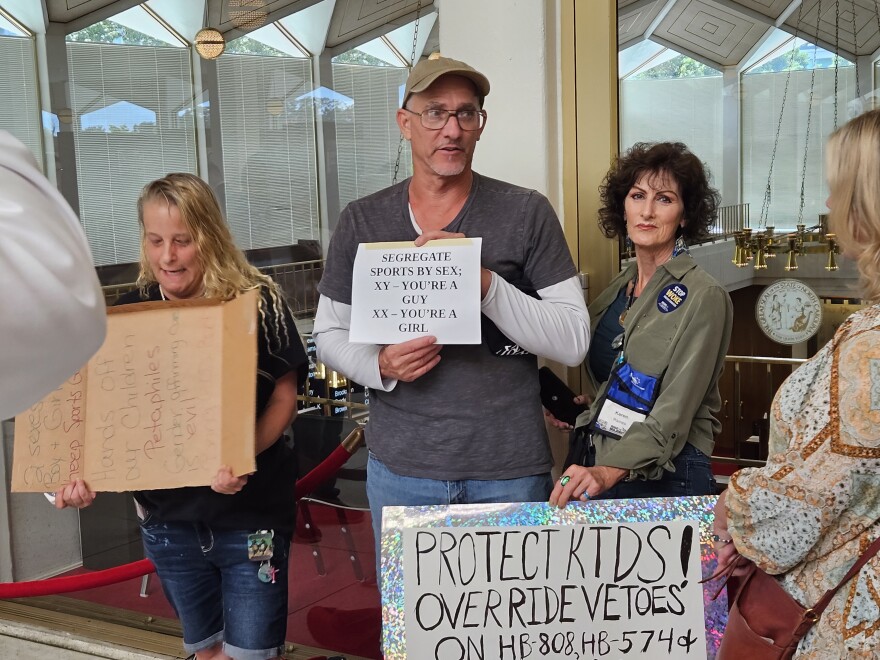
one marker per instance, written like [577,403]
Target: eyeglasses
[436,118]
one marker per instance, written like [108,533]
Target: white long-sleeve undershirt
[556,327]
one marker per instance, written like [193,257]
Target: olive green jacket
[686,346]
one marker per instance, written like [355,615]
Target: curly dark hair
[674,159]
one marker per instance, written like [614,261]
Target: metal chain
[768,194]
[412,57]
[809,119]
[412,62]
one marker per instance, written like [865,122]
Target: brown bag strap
[727,573]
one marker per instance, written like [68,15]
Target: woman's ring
[718,539]
[564,479]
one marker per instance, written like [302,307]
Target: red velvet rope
[322,472]
[62,585]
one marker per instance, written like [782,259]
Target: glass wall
[267,124]
[132,122]
[678,100]
[368,141]
[777,109]
[786,118]
[132,101]
[19,103]
[138,103]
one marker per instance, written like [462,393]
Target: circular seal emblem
[788,311]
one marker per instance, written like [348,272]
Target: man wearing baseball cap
[457,424]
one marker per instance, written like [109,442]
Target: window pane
[267,122]
[19,109]
[367,137]
[132,123]
[762,99]
[677,109]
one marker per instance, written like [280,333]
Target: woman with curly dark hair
[659,335]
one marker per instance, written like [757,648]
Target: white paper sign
[401,292]
[573,591]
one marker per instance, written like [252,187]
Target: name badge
[615,419]
[671,297]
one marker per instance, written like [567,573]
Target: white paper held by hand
[401,292]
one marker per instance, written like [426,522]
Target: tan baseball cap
[427,71]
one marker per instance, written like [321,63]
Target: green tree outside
[110,32]
[680,66]
[356,56]
[794,60]
[248,46]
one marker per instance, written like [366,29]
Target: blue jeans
[214,588]
[692,476]
[386,488]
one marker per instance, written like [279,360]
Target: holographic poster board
[596,580]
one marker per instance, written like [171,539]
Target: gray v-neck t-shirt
[475,415]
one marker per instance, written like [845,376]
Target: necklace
[629,300]
[162,293]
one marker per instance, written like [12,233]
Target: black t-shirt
[602,355]
[267,501]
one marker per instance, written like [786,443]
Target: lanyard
[629,301]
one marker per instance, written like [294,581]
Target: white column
[865,69]
[325,135]
[730,129]
[519,55]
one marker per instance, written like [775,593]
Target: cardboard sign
[401,292]
[166,401]
[602,579]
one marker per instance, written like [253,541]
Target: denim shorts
[214,588]
[692,476]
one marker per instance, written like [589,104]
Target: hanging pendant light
[210,44]
[760,259]
[832,251]
[760,251]
[791,263]
[768,232]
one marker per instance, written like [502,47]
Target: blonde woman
[197,537]
[809,513]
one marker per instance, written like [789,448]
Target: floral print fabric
[809,513]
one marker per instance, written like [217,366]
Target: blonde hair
[227,271]
[852,164]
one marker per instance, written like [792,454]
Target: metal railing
[730,220]
[298,281]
